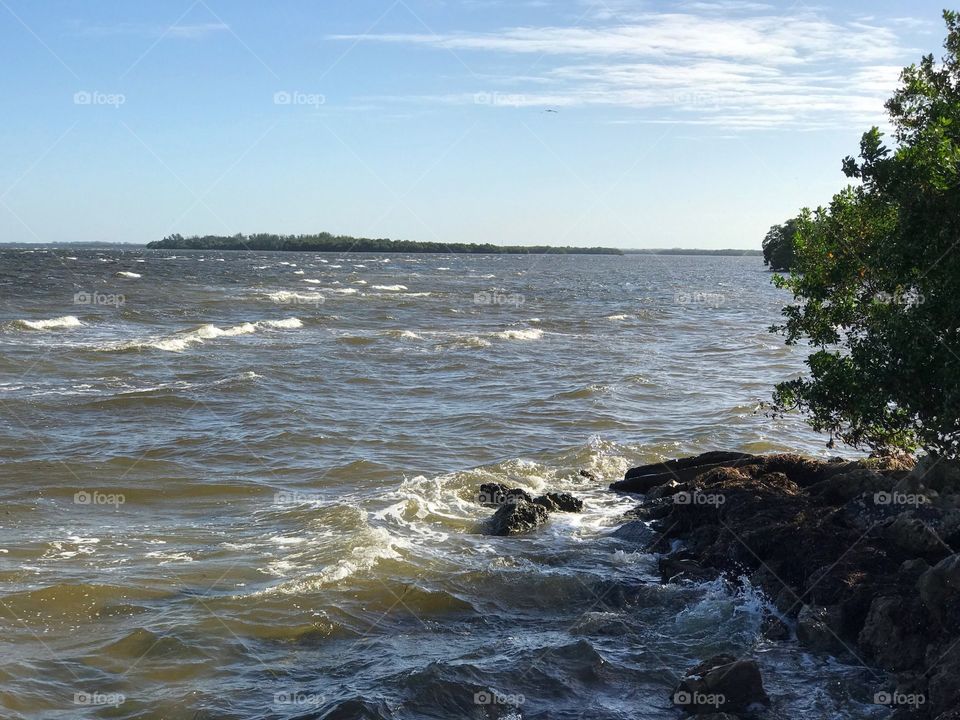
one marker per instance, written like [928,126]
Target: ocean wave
[181,341]
[617,317]
[285,297]
[66,321]
[390,288]
[522,334]
[128,274]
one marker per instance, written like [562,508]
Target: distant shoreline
[446,249]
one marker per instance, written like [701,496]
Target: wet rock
[913,536]
[774,628]
[819,628]
[893,633]
[939,589]
[842,488]
[721,684]
[515,518]
[674,569]
[559,502]
[943,690]
[588,475]
[495,494]
[644,478]
[635,531]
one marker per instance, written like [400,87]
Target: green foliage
[876,279]
[325,242]
[778,245]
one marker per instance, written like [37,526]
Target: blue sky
[688,124]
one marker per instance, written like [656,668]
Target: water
[242,485]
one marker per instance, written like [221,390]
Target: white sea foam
[524,334]
[312,281]
[181,341]
[617,317]
[128,274]
[390,288]
[66,321]
[288,297]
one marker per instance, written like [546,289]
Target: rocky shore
[858,560]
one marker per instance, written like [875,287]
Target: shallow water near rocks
[243,485]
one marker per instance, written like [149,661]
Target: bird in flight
[551,110]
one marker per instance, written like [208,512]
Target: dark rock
[635,531]
[559,502]
[774,628]
[893,633]
[668,489]
[514,518]
[846,486]
[943,690]
[939,589]
[721,684]
[492,494]
[938,474]
[642,479]
[913,536]
[819,628]
[675,569]
[588,475]
[495,494]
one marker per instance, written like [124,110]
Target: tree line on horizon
[327,242]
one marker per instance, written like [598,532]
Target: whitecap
[524,334]
[128,274]
[617,317]
[390,288]
[66,321]
[181,341]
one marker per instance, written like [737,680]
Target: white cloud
[726,62]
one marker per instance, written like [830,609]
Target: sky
[620,123]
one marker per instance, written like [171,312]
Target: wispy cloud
[728,63]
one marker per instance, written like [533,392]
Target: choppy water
[241,485]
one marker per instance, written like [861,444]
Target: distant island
[325,242]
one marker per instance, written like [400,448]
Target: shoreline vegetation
[326,242]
